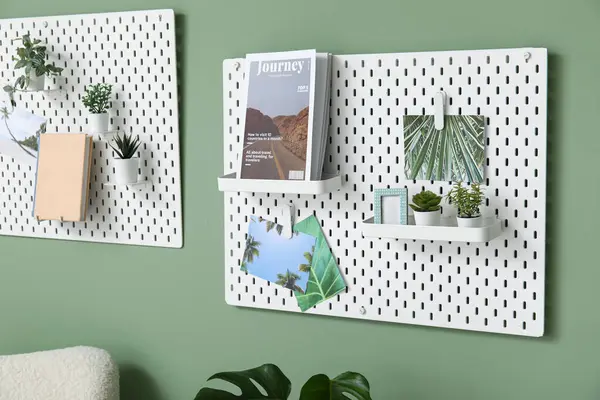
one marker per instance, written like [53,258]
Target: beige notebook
[63,175]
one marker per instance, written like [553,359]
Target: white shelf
[447,231]
[329,183]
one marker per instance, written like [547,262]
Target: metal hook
[287,214]
[45,24]
[237,66]
[439,104]
[362,311]
[527,56]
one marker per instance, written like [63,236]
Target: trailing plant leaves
[274,383]
[325,279]
[31,57]
[343,387]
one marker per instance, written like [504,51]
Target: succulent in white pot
[32,58]
[97,101]
[126,163]
[426,208]
[467,201]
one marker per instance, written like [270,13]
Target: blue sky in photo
[278,254]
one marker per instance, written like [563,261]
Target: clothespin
[287,220]
[439,102]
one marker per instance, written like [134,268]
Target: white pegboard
[135,52]
[496,286]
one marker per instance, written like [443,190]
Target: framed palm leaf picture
[455,153]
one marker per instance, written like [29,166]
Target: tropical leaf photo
[325,279]
[455,153]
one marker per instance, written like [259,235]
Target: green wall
[162,313]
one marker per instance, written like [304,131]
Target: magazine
[321,123]
[278,126]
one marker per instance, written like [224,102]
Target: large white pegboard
[496,286]
[134,51]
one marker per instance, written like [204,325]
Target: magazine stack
[287,115]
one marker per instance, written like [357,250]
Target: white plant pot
[474,222]
[36,83]
[98,123]
[428,218]
[126,171]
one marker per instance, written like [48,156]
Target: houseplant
[277,386]
[467,201]
[97,101]
[32,57]
[126,164]
[426,207]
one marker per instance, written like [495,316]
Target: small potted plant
[467,201]
[426,207]
[97,101]
[126,164]
[31,57]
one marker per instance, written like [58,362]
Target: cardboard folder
[63,176]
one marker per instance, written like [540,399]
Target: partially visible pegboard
[494,287]
[135,52]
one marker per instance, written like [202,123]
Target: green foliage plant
[276,386]
[466,200]
[97,98]
[426,201]
[126,145]
[32,58]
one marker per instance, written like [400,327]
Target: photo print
[455,153]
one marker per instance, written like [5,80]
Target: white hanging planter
[428,218]
[98,123]
[36,83]
[473,222]
[126,170]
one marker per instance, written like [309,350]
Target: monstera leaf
[274,383]
[325,279]
[343,387]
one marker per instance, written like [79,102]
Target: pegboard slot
[448,231]
[230,183]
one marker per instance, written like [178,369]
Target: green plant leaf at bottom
[320,387]
[274,383]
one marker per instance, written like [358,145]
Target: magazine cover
[279,116]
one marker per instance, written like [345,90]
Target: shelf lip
[448,231]
[329,183]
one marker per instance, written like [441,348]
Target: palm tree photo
[288,281]
[309,258]
[455,153]
[251,251]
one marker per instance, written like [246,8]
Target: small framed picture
[391,206]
